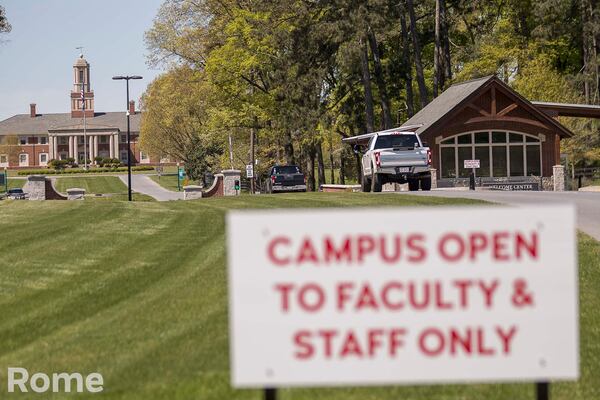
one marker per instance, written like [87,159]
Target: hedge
[69,171]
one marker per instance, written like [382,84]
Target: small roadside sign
[471,164]
[181,173]
[328,298]
[249,171]
[2,180]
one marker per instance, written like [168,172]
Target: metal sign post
[473,164]
[542,391]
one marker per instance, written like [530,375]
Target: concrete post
[558,178]
[229,178]
[433,178]
[111,146]
[71,146]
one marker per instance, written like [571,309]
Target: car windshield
[288,169]
[390,141]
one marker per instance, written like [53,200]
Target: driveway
[587,203]
[143,184]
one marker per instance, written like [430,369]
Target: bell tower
[82,96]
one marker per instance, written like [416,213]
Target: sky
[37,56]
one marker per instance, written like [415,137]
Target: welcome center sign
[402,296]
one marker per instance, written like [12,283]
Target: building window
[123,156]
[43,159]
[143,156]
[4,159]
[64,155]
[81,76]
[79,139]
[102,139]
[123,138]
[63,140]
[22,140]
[43,140]
[500,154]
[23,160]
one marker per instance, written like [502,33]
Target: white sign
[471,164]
[402,296]
[249,171]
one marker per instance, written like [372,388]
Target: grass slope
[137,291]
[91,184]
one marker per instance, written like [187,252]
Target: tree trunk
[436,51]
[366,80]
[252,157]
[342,167]
[310,167]
[417,52]
[288,148]
[445,43]
[331,161]
[320,164]
[358,167]
[410,105]
[586,50]
[380,80]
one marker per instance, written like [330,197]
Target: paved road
[587,203]
[143,184]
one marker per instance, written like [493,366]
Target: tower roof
[80,62]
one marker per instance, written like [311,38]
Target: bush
[58,164]
[83,171]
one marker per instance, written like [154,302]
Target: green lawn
[91,184]
[137,291]
[14,183]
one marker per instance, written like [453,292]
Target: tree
[175,121]
[4,25]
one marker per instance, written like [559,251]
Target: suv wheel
[426,183]
[413,185]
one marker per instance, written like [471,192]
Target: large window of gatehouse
[501,154]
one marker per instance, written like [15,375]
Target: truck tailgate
[404,157]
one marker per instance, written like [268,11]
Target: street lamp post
[127,78]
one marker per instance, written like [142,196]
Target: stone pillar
[71,146]
[35,187]
[433,178]
[95,147]
[558,178]
[111,146]
[50,148]
[229,178]
[116,142]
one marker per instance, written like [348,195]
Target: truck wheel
[376,185]
[365,183]
[426,184]
[413,185]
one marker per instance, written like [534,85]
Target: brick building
[42,137]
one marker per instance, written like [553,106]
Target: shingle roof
[460,93]
[445,102]
[23,124]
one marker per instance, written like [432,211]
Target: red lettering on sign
[308,291]
[284,289]
[530,246]
[307,252]
[341,253]
[366,245]
[279,240]
[446,243]
[306,349]
[416,244]
[431,342]
[499,239]
[506,338]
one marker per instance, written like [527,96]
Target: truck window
[390,141]
[289,169]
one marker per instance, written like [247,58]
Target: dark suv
[16,194]
[285,178]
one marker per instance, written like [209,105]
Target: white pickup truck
[396,156]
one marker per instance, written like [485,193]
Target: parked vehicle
[16,194]
[398,157]
[285,178]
